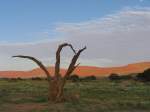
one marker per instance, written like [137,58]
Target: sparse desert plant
[120,77]
[145,76]
[19,78]
[89,78]
[57,81]
[37,78]
[74,78]
[14,79]
[114,76]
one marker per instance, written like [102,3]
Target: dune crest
[81,71]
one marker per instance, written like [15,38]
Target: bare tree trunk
[57,83]
[55,91]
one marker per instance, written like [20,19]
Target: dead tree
[57,81]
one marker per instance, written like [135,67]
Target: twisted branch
[72,65]
[38,63]
[57,64]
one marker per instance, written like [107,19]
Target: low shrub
[114,76]
[145,76]
[89,78]
[36,78]
[74,78]
[120,77]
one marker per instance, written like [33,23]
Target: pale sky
[116,32]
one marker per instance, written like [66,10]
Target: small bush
[74,78]
[121,77]
[36,78]
[19,78]
[13,79]
[145,76]
[89,78]
[114,77]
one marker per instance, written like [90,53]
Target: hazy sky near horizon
[116,32]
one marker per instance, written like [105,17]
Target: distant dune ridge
[81,71]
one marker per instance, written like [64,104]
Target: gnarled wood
[57,64]
[38,63]
[72,65]
[56,83]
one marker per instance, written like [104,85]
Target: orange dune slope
[81,71]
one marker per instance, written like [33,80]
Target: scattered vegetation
[87,94]
[114,76]
[120,77]
[95,96]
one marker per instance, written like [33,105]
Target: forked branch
[72,65]
[38,63]
[57,64]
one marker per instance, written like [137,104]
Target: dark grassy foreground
[95,96]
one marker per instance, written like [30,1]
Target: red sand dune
[81,71]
